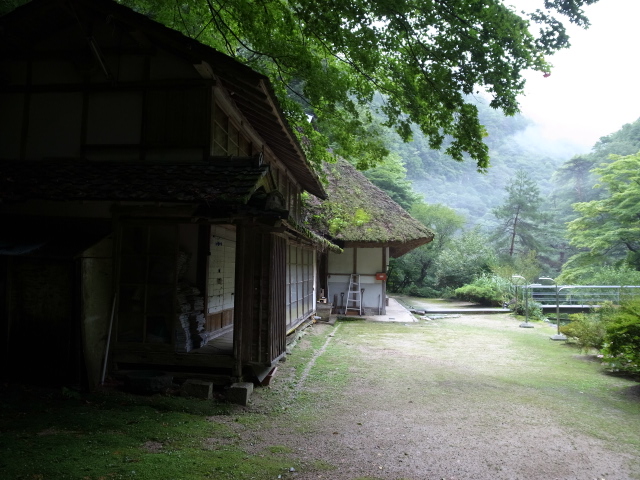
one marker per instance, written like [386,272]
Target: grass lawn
[333,374]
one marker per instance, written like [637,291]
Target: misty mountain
[514,144]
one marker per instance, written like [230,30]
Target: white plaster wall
[341,262]
[369,262]
[222,269]
[338,284]
[372,294]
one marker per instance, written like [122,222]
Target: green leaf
[423,57]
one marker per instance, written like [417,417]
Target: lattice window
[300,284]
[227,139]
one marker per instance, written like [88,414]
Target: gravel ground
[433,401]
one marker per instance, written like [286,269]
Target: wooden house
[371,228]
[150,199]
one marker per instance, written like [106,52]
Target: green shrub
[589,329]
[622,339]
[586,329]
[422,292]
[486,290]
[571,329]
[448,292]
[535,309]
[478,294]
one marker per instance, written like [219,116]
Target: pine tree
[520,217]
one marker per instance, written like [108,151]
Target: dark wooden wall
[219,320]
[259,323]
[43,345]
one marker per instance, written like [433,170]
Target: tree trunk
[513,233]
[423,272]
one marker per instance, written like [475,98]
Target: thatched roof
[359,214]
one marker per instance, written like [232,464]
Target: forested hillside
[559,169]
[538,210]
[574,180]
[512,146]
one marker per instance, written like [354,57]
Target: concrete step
[460,311]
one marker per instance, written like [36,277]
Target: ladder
[354,302]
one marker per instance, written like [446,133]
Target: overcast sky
[594,88]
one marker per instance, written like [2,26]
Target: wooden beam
[156,211]
[26,116]
[134,86]
[131,355]
[355,260]
[202,260]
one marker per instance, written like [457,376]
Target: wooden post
[242,299]
[383,310]
[355,260]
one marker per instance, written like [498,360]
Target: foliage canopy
[416,267]
[390,176]
[330,59]
[610,227]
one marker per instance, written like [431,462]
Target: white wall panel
[222,268]
[342,262]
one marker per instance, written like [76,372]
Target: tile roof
[94,181]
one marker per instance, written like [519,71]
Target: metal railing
[580,294]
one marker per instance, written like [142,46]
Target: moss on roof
[357,213]
[319,241]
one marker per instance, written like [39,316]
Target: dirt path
[461,397]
